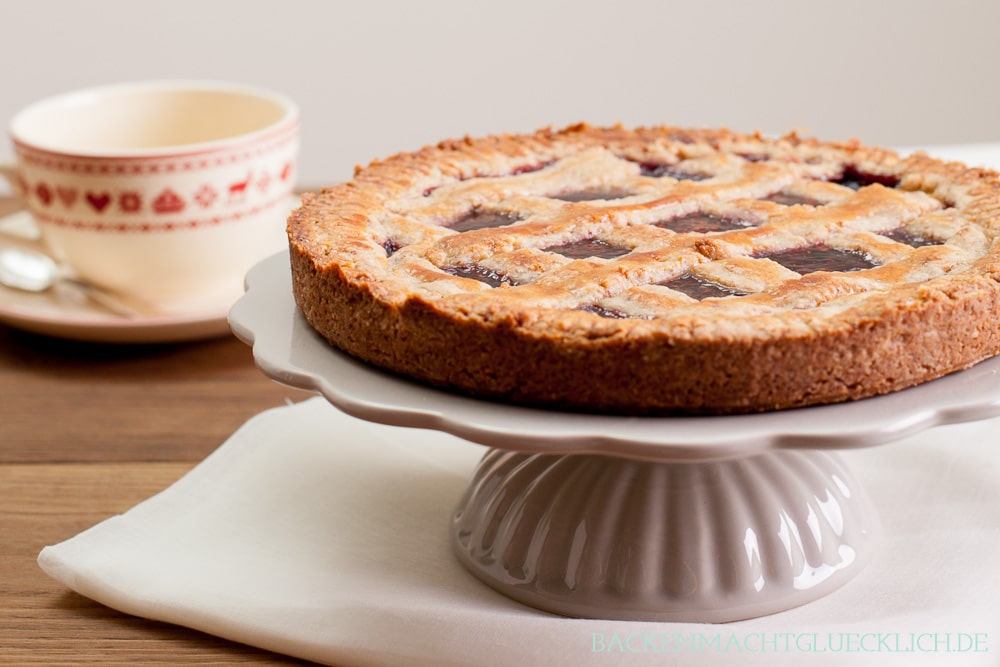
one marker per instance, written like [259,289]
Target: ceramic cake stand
[670,519]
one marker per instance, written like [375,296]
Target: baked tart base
[656,270]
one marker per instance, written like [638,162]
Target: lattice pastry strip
[540,222]
[656,248]
[494,249]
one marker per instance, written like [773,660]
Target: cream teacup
[167,192]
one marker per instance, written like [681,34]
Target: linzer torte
[656,271]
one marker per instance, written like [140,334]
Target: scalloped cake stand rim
[289,351]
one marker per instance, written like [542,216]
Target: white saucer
[63,316]
[50,315]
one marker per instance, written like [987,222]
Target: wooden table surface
[87,431]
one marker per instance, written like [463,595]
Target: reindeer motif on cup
[238,190]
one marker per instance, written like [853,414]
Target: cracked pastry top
[655,270]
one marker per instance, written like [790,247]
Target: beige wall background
[376,77]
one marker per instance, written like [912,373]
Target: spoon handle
[18,230]
[120,305]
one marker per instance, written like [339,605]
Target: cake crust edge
[894,343]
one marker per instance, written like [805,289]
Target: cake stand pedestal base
[597,536]
[659,518]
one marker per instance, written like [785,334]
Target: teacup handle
[9,171]
[20,231]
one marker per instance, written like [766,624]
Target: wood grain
[86,432]
[43,623]
[85,402]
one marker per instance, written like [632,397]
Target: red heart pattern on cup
[193,196]
[166,201]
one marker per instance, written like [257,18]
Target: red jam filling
[855,179]
[699,288]
[482,274]
[480,219]
[786,199]
[528,168]
[902,236]
[591,195]
[605,312]
[588,248]
[821,258]
[702,223]
[390,247]
[524,169]
[658,170]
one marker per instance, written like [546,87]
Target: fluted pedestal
[611,538]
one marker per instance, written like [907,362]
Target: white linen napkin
[314,534]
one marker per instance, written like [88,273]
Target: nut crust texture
[384,270]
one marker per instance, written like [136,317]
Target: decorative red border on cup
[169,226]
[132,202]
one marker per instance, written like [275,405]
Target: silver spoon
[33,271]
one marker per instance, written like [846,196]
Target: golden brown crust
[787,340]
